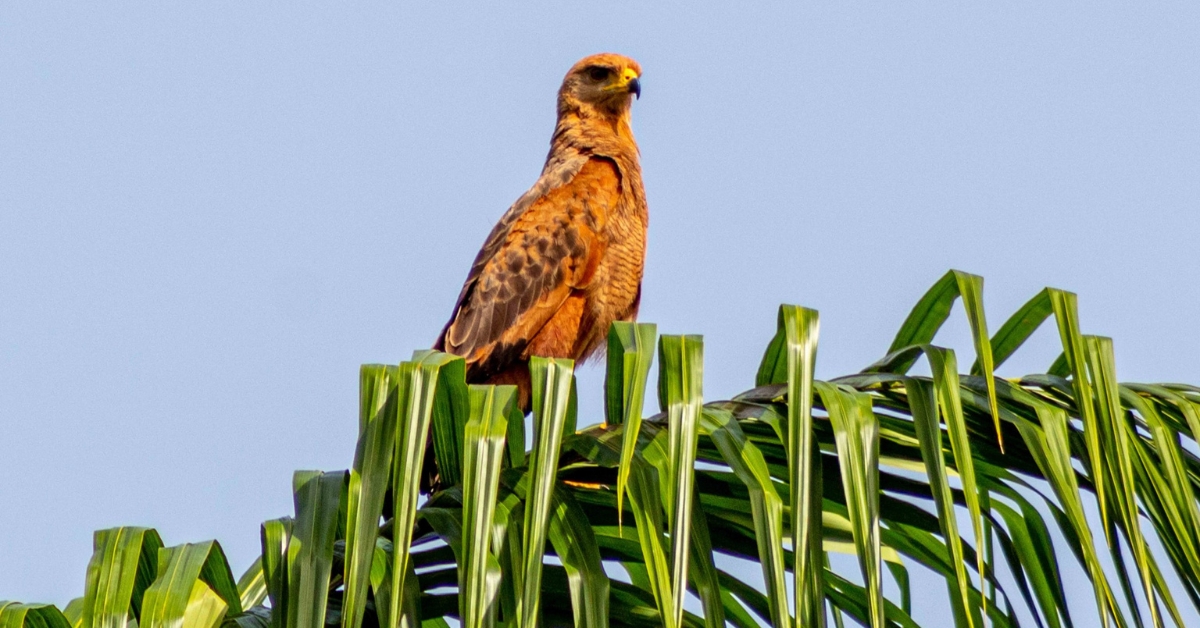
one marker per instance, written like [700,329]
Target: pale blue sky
[210,216]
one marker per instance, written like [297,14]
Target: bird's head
[605,83]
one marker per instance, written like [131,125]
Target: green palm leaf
[74,612]
[276,536]
[319,497]
[923,403]
[800,329]
[430,388]
[14,615]
[479,577]
[681,372]
[368,480]
[932,311]
[630,352]
[1116,436]
[553,382]
[123,564]
[574,541]
[856,431]
[946,386]
[766,508]
[860,464]
[645,501]
[252,586]
[194,587]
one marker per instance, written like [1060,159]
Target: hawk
[566,259]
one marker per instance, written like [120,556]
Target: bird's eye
[598,74]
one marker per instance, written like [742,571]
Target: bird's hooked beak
[632,82]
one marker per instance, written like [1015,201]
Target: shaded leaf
[124,563]
[630,353]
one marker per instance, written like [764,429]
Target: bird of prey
[566,259]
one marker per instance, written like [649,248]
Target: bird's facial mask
[607,85]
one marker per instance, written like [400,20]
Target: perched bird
[566,259]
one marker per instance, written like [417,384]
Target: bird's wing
[544,248]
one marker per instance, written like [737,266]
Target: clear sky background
[211,215]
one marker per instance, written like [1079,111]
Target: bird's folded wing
[544,249]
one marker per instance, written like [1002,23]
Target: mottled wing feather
[545,248]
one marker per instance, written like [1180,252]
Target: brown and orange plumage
[566,260]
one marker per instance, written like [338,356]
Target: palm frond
[880,464]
